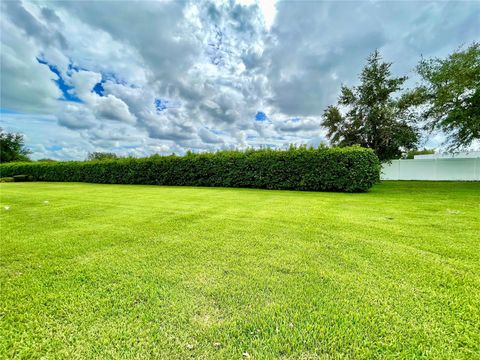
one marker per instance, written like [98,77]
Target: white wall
[467,169]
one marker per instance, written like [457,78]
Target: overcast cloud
[160,77]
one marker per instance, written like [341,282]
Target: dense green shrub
[348,169]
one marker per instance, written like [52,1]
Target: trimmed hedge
[351,169]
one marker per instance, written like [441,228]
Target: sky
[144,77]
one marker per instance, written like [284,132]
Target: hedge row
[351,169]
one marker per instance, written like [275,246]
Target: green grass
[120,271]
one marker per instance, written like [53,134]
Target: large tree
[12,147]
[373,116]
[451,94]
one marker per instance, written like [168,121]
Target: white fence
[466,169]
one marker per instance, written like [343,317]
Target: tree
[451,94]
[12,147]
[102,156]
[373,117]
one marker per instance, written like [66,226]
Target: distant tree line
[102,156]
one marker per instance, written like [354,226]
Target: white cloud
[112,108]
[83,83]
[76,116]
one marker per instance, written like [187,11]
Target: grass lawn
[120,271]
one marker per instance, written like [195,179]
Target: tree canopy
[12,147]
[373,116]
[451,95]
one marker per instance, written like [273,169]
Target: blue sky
[162,77]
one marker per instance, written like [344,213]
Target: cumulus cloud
[83,83]
[76,116]
[112,108]
[145,77]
